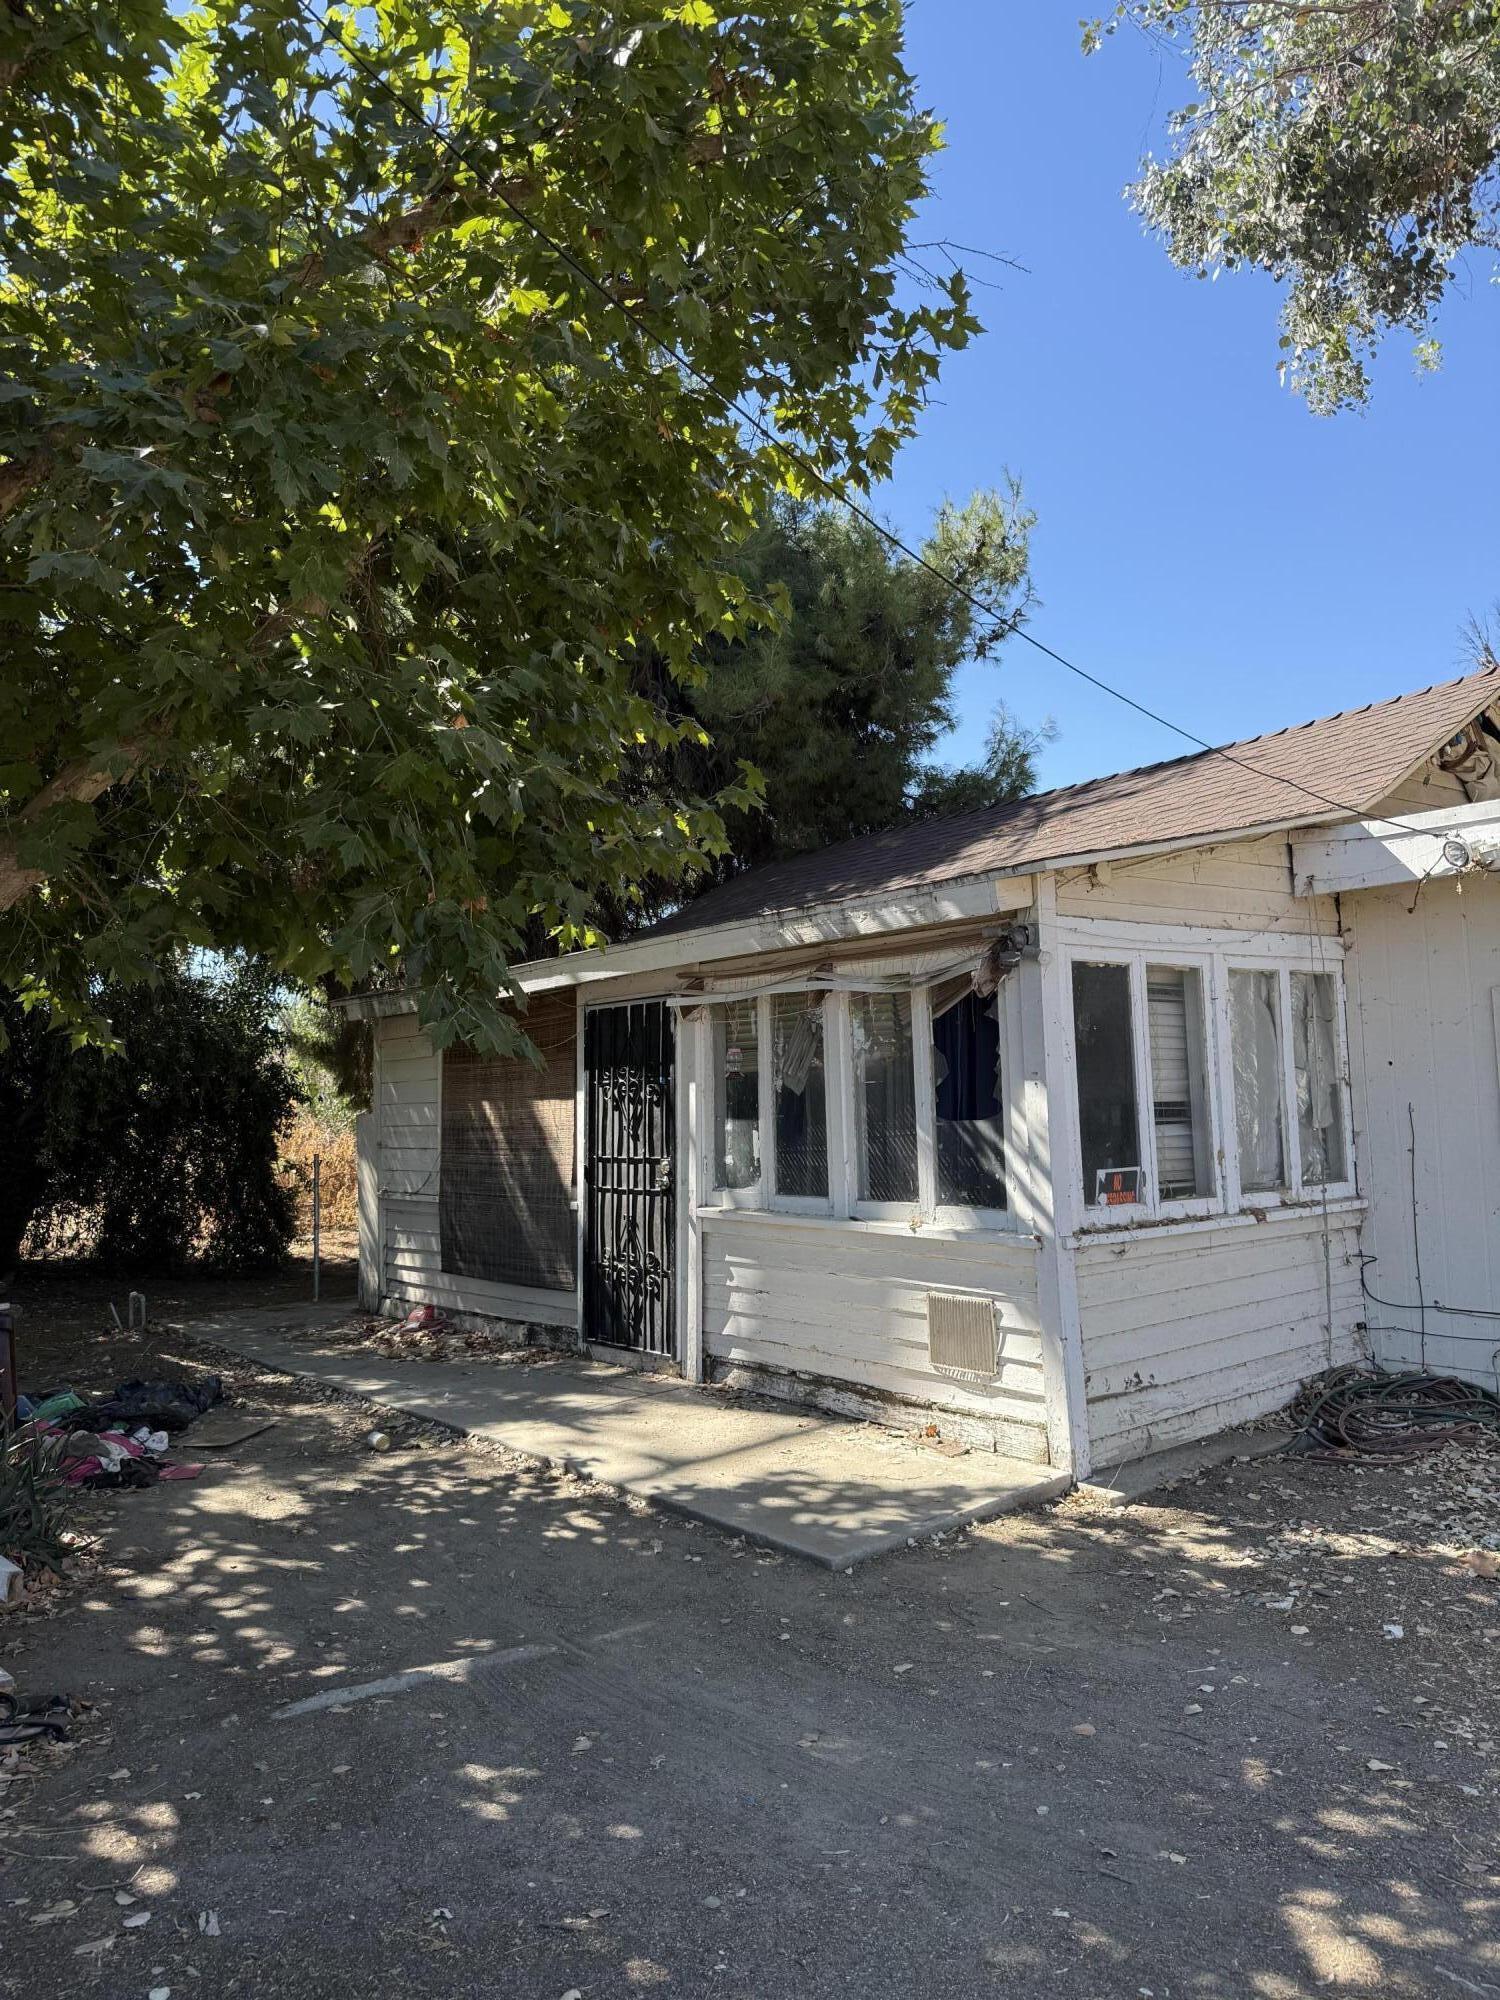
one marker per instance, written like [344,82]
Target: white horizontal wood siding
[1242,884]
[408,1113]
[1187,1331]
[1424,973]
[844,1303]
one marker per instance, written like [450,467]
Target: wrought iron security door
[630,1214]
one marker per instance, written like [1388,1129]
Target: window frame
[761,1195]
[1214,960]
[751,1195]
[954,1215]
[843,1203]
[1135,959]
[1297,1192]
[885,1211]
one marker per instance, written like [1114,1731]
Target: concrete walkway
[836,1492]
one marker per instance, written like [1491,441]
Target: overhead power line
[809,466]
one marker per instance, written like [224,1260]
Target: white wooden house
[1081,1126]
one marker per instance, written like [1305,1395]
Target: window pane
[966,1088]
[1315,1057]
[1106,1085]
[1255,1045]
[1179,1094]
[801,1095]
[885,1096]
[736,1096]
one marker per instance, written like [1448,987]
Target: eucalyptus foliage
[346,476]
[1350,148]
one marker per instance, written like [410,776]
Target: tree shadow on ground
[1074,1750]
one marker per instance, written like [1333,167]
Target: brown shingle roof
[1356,758]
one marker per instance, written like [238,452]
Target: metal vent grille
[961,1334]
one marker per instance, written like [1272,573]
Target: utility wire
[809,466]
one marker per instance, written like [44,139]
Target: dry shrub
[338,1177]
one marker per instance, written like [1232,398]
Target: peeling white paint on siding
[1423,973]
[1185,1333]
[848,1303]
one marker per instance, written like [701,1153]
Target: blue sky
[1203,540]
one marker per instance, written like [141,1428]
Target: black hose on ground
[1369,1413]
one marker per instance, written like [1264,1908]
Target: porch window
[1177,1025]
[1104,1041]
[885,1096]
[1319,1080]
[1255,1037]
[736,1083]
[799,1095]
[968,1110]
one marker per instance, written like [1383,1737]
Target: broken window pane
[1255,1044]
[885,1096]
[736,1096]
[966,1091]
[1105,1045]
[1315,1058]
[800,1094]
[1179,1071]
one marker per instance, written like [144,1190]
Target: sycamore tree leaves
[363,426]
[1350,151]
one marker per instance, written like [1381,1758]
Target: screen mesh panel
[506,1181]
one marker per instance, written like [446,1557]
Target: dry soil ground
[1167,1751]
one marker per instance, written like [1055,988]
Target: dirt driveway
[1169,1751]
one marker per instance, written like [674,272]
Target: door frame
[683,1143]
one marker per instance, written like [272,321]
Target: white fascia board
[376,1006]
[779,930]
[785,930]
[1379,853]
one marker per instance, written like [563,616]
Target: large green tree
[364,428]
[1350,148]
[840,703]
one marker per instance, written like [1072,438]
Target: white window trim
[776,1203]
[1214,960]
[1297,1193]
[843,1202]
[707,1195]
[952,1215]
[1150,1208]
[920,1208]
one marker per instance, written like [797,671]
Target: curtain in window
[967,1098]
[1255,1043]
[800,1094]
[1315,1060]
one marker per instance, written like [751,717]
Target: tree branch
[78,783]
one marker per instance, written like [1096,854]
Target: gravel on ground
[1238,1740]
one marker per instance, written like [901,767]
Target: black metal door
[629,1181]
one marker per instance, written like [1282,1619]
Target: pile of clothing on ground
[120,1439]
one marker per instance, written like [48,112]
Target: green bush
[162,1151]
